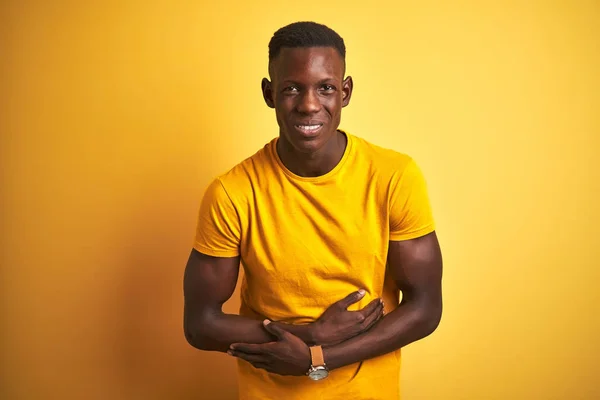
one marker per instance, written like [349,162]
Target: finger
[373,318]
[371,307]
[364,313]
[274,329]
[351,299]
[248,348]
[381,310]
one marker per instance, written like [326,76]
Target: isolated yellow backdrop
[115,116]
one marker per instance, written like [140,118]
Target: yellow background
[115,115]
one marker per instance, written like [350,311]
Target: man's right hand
[337,324]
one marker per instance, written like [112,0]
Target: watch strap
[316,356]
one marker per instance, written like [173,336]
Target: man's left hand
[289,355]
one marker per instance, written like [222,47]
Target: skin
[416,267]
[210,281]
[307,87]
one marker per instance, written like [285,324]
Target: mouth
[308,130]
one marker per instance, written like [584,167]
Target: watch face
[318,374]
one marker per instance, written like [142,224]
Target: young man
[329,228]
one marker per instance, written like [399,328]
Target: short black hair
[306,34]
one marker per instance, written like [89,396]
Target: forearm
[308,333]
[410,322]
[216,332]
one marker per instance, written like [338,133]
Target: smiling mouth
[309,129]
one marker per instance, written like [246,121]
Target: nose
[309,102]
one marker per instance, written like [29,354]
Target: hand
[337,324]
[289,355]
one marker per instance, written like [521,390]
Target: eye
[328,88]
[290,89]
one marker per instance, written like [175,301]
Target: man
[328,229]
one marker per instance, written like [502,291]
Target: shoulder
[243,176]
[385,160]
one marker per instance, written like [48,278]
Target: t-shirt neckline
[330,174]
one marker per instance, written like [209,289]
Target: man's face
[308,92]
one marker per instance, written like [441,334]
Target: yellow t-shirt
[307,242]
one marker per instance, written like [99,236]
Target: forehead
[307,64]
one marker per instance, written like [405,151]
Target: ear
[347,86]
[267,93]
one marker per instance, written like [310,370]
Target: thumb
[274,329]
[352,298]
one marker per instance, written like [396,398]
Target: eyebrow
[322,81]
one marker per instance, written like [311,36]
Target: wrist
[328,357]
[314,334]
[318,367]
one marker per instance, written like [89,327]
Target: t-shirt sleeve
[410,209]
[218,230]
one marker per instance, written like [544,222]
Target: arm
[416,266]
[210,281]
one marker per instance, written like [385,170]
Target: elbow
[197,334]
[430,318]
[195,338]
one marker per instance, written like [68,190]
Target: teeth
[308,127]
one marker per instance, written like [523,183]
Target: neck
[313,164]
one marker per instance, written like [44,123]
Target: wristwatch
[317,370]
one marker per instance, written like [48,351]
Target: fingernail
[361,291]
[230,353]
[266,322]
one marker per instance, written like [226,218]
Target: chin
[304,145]
[308,144]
